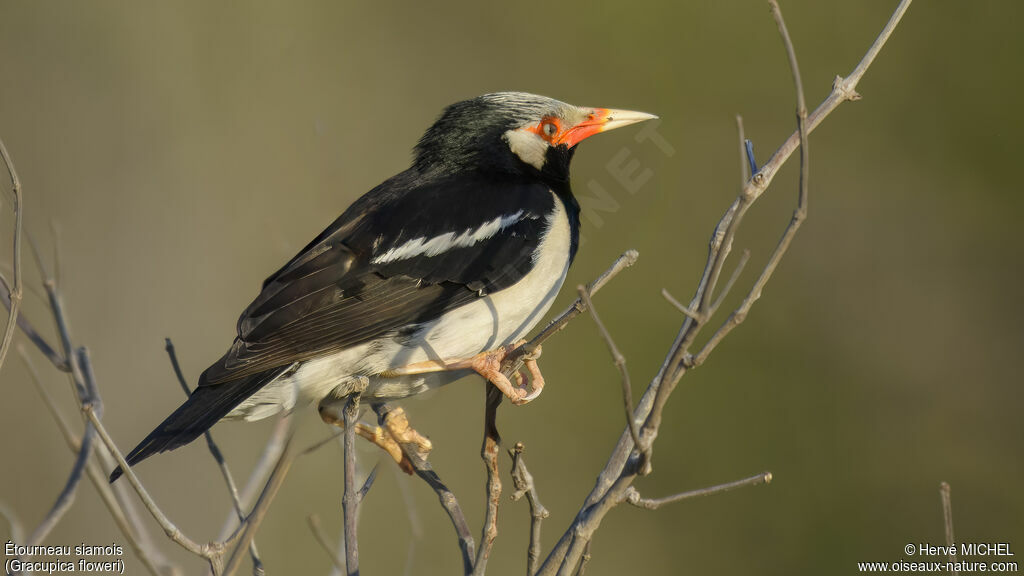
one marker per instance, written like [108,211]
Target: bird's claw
[488,364]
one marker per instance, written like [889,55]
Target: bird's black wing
[403,254]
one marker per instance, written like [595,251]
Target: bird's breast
[504,316]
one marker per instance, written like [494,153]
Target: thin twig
[350,500]
[318,533]
[422,468]
[514,360]
[745,167]
[138,540]
[489,454]
[620,364]
[799,215]
[272,452]
[13,524]
[28,330]
[744,258]
[680,306]
[523,482]
[67,495]
[633,497]
[218,456]
[16,291]
[247,529]
[947,522]
[121,507]
[450,504]
[48,400]
[58,261]
[801,101]
[745,200]
[368,483]
[136,535]
[314,525]
[415,528]
[165,523]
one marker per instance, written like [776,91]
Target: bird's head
[514,132]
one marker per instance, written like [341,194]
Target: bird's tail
[205,406]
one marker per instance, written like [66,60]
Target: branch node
[846,89]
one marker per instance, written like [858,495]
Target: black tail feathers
[205,406]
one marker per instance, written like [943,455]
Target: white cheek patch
[439,244]
[528,146]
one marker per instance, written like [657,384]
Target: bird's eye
[550,129]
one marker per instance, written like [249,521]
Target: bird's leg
[488,364]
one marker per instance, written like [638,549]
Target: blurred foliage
[186,149]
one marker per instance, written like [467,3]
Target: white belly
[497,319]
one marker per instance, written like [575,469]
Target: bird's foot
[488,364]
[408,440]
[390,437]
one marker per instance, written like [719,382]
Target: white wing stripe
[440,244]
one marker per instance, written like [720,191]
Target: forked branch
[629,459]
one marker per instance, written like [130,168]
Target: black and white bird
[436,272]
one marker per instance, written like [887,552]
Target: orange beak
[601,120]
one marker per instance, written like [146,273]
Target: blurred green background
[185,150]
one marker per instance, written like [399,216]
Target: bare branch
[165,523]
[746,162]
[247,530]
[13,524]
[218,456]
[627,259]
[620,364]
[422,468]
[732,280]
[947,521]
[48,400]
[67,495]
[415,527]
[368,483]
[799,215]
[26,328]
[16,291]
[350,500]
[272,452]
[136,535]
[633,497]
[451,506]
[489,454]
[138,539]
[801,102]
[523,482]
[680,306]
[314,520]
